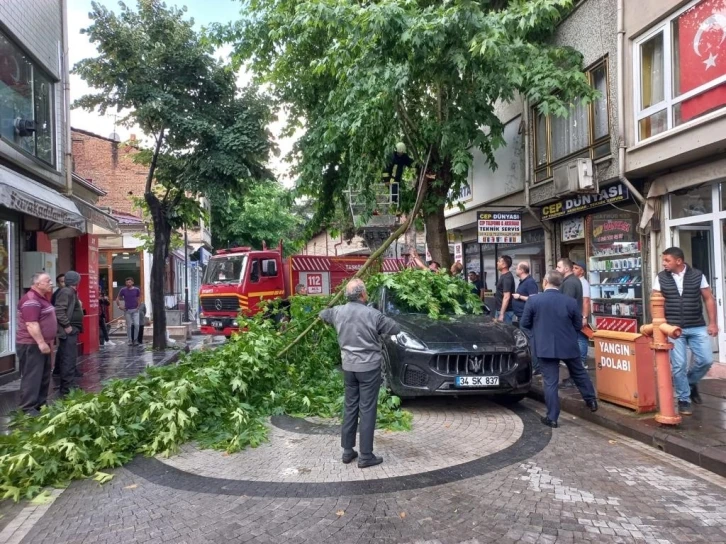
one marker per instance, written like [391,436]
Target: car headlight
[520,340]
[408,341]
[202,321]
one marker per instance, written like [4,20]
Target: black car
[468,354]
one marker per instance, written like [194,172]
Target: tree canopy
[209,137]
[361,76]
[265,213]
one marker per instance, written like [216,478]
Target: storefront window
[615,271]
[691,202]
[472,258]
[489,267]
[7,291]
[26,111]
[531,251]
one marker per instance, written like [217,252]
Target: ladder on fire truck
[377,226]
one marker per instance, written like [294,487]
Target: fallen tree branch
[422,188]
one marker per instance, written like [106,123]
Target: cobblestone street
[470,472]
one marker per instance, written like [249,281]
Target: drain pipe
[621,106]
[67,99]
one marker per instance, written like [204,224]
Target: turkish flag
[702,56]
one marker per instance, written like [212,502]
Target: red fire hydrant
[660,331]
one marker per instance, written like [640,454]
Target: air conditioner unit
[575,177]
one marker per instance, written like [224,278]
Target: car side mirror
[486,309]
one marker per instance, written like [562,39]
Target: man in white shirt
[584,343]
[685,290]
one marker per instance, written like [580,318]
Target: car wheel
[511,399]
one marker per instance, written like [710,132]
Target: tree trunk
[437,239]
[162,237]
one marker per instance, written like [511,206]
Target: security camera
[24,127]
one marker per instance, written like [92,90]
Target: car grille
[220,304]
[472,364]
[415,377]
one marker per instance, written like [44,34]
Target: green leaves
[208,137]
[361,76]
[422,291]
[219,399]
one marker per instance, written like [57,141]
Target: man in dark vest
[685,290]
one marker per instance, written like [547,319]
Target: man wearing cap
[69,313]
[579,269]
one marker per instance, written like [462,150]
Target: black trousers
[68,354]
[551,376]
[361,399]
[140,337]
[103,331]
[34,377]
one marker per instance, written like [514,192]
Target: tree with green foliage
[217,398]
[209,136]
[266,212]
[361,76]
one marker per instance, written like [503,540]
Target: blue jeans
[584,344]
[508,316]
[698,340]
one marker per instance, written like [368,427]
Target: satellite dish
[115,137]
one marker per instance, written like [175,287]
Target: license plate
[217,324]
[477,381]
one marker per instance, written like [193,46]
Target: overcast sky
[203,12]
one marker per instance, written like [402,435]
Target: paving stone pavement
[578,483]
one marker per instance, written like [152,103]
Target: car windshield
[395,305]
[225,269]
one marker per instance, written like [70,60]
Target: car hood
[466,329]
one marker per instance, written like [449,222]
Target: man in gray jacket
[69,313]
[359,329]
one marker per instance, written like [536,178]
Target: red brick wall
[110,166]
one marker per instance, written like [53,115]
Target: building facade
[44,215]
[532,207]
[676,132]
[109,164]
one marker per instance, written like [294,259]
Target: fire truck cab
[239,279]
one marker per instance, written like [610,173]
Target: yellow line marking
[266,293]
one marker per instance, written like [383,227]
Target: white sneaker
[111,343]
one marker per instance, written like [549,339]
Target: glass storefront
[615,270]
[7,297]
[482,258]
[696,222]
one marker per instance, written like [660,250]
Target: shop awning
[105,223]
[59,216]
[677,181]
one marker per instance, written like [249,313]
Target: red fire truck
[238,279]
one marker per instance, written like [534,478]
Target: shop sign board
[500,228]
[617,227]
[581,203]
[618,324]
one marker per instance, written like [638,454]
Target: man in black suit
[555,319]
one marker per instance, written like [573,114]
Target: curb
[706,457]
